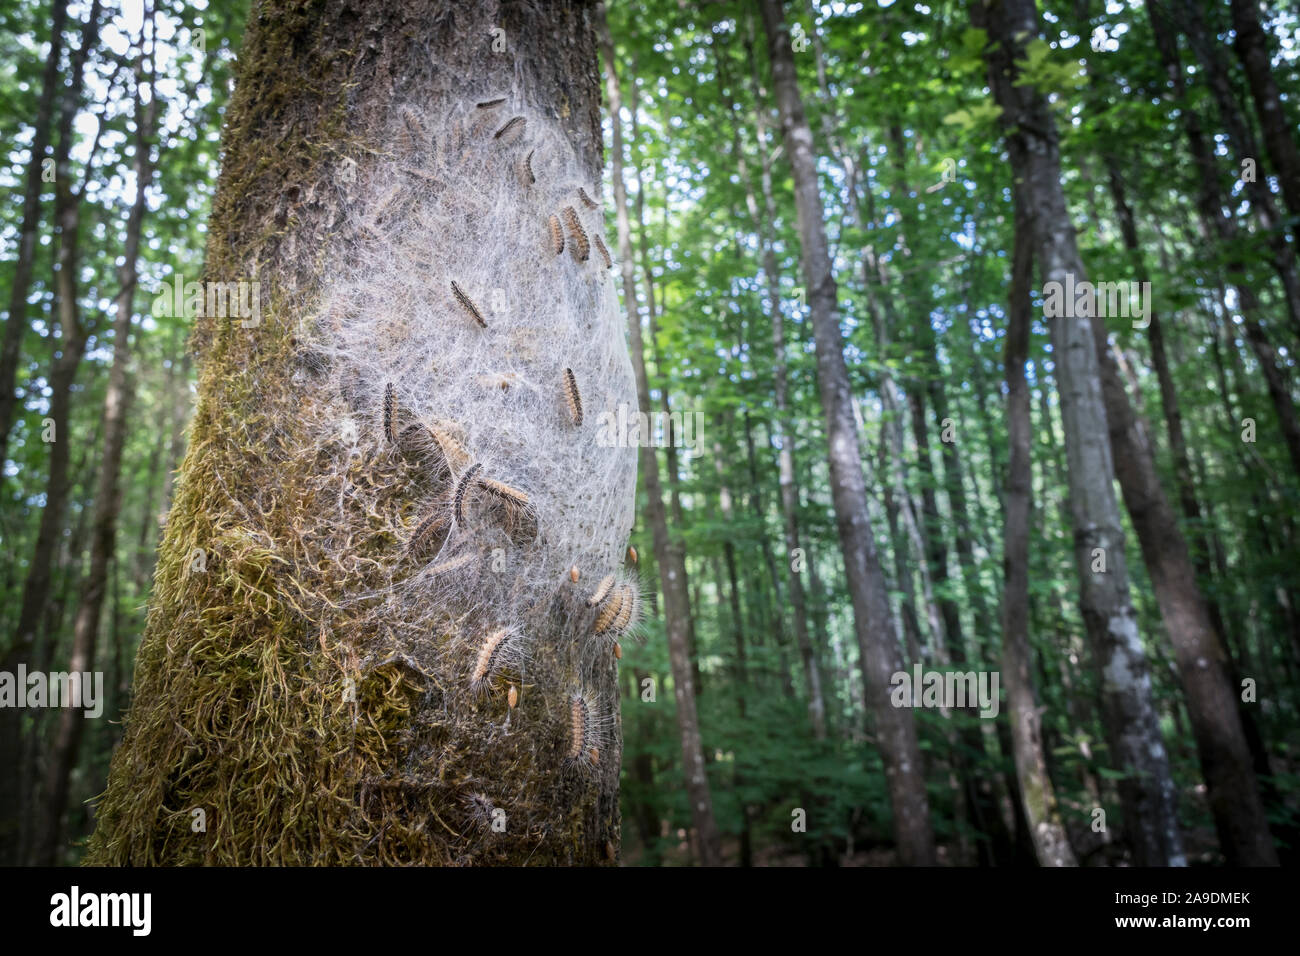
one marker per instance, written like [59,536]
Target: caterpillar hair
[572,396]
[450,448]
[515,126]
[390,414]
[604,252]
[580,247]
[625,612]
[587,200]
[467,304]
[610,612]
[557,234]
[602,589]
[586,729]
[488,104]
[461,487]
[526,177]
[502,490]
[579,718]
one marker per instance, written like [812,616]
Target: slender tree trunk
[1051,845]
[16,322]
[354,616]
[895,727]
[1252,48]
[1133,730]
[71,722]
[668,552]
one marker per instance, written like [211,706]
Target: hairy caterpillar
[611,611]
[585,729]
[526,177]
[490,653]
[390,414]
[512,128]
[587,200]
[450,448]
[604,253]
[625,612]
[502,490]
[468,305]
[580,247]
[425,533]
[488,104]
[602,589]
[461,487]
[557,234]
[572,396]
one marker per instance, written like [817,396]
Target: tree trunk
[1133,730]
[341,621]
[895,727]
[16,322]
[668,553]
[1036,793]
[1252,48]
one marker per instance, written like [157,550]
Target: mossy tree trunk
[303,692]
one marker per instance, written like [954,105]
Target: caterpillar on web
[604,252]
[461,488]
[526,177]
[586,728]
[426,532]
[512,129]
[602,589]
[587,200]
[502,490]
[580,246]
[390,414]
[572,396]
[612,610]
[488,104]
[557,234]
[467,304]
[495,652]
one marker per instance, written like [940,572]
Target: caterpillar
[490,653]
[587,200]
[488,104]
[526,177]
[390,414]
[453,565]
[460,491]
[468,305]
[516,125]
[450,448]
[425,532]
[557,234]
[572,396]
[612,610]
[502,490]
[584,729]
[604,253]
[580,248]
[602,589]
[624,617]
[415,131]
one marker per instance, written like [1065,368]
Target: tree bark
[307,691]
[1051,845]
[668,553]
[895,727]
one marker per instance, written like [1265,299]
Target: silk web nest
[476,365]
